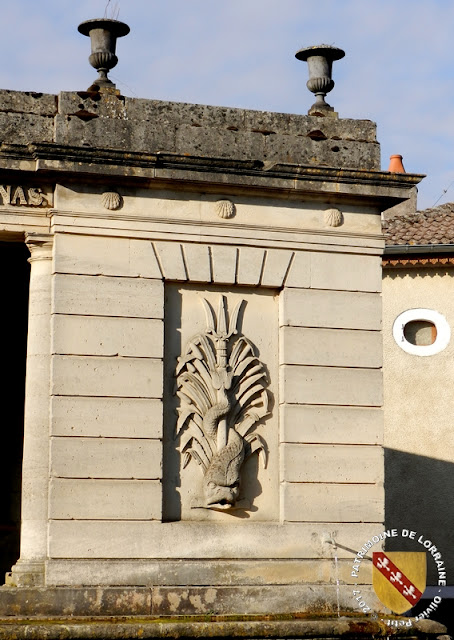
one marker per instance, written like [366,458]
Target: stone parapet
[107,121]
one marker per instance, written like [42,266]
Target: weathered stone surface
[354,464]
[343,272]
[106,458]
[331,309]
[333,502]
[72,602]
[331,424]
[302,384]
[304,150]
[246,599]
[200,572]
[250,265]
[205,141]
[299,274]
[96,376]
[110,121]
[330,347]
[100,256]
[88,499]
[23,128]
[104,336]
[105,105]
[224,264]
[108,296]
[301,125]
[42,104]
[108,417]
[208,626]
[201,540]
[114,134]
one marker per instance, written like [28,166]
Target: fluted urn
[103,34]
[320,60]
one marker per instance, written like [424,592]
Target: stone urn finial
[103,34]
[320,60]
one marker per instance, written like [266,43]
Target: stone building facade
[203,406]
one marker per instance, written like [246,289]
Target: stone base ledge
[242,600]
[148,628]
[27,574]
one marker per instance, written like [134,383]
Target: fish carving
[221,385]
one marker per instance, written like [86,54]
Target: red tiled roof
[431,226]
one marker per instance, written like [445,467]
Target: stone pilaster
[29,570]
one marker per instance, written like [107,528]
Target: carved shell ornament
[225,209]
[333,217]
[221,385]
[111,200]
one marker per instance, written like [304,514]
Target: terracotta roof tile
[431,226]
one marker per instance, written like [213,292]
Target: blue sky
[398,69]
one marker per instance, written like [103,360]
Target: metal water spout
[320,60]
[103,34]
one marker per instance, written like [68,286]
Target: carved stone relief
[221,384]
[333,218]
[225,208]
[18,195]
[111,200]
[221,428]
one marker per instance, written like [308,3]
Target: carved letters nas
[25,196]
[221,385]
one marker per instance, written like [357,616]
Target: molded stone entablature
[112,136]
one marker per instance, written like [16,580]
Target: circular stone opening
[421,333]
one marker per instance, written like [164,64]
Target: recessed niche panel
[220,425]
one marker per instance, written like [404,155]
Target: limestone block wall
[107,349]
[141,216]
[111,292]
[331,397]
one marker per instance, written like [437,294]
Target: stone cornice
[58,162]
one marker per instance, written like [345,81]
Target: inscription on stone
[23,196]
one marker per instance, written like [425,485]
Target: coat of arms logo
[399,578]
